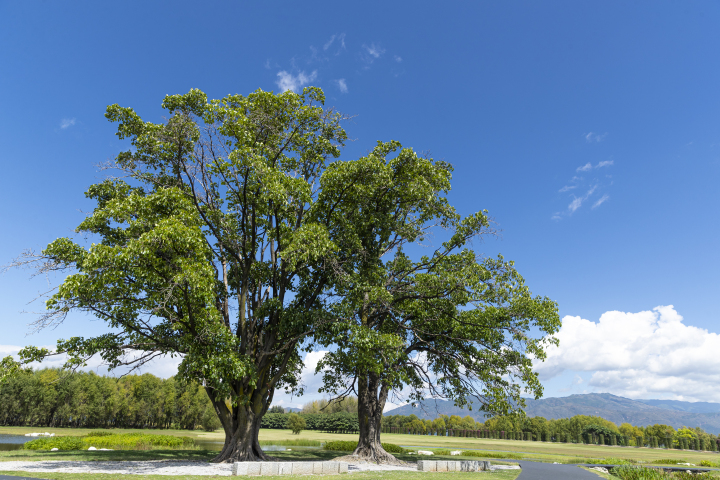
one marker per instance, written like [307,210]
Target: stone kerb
[288,468]
[452,466]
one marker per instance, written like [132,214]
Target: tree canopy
[450,323]
[207,248]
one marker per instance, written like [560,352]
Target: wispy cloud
[342,85]
[341,42]
[578,201]
[594,137]
[602,200]
[567,188]
[584,168]
[606,163]
[286,81]
[67,123]
[374,50]
[398,58]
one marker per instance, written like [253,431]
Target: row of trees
[53,398]
[577,429]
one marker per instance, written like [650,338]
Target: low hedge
[126,441]
[475,453]
[349,446]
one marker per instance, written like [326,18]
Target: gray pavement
[8,477]
[550,471]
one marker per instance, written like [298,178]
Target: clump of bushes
[340,446]
[670,461]
[99,433]
[61,443]
[708,463]
[627,472]
[349,446]
[476,453]
[392,448]
[441,451]
[126,441]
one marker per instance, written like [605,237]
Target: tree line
[54,398]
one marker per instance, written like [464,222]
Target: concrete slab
[253,468]
[269,468]
[302,468]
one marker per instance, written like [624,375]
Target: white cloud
[605,163]
[647,354]
[374,50]
[594,137]
[578,201]
[584,168]
[398,58]
[67,123]
[567,188]
[575,204]
[342,85]
[162,366]
[341,40]
[286,81]
[602,200]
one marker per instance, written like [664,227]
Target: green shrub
[209,420]
[340,446]
[126,441]
[392,448]
[299,442]
[296,423]
[349,446]
[644,473]
[670,461]
[441,451]
[61,443]
[99,433]
[708,463]
[476,453]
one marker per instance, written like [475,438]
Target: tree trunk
[241,440]
[371,403]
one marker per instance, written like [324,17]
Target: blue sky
[589,130]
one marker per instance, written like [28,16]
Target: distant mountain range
[610,407]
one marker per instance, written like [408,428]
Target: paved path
[550,471]
[6,477]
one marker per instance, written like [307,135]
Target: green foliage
[644,473]
[477,453]
[296,442]
[209,420]
[52,397]
[296,423]
[217,206]
[127,441]
[670,461]
[99,433]
[392,448]
[340,446]
[276,409]
[61,443]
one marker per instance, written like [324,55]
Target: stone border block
[288,468]
[302,468]
[427,465]
[253,468]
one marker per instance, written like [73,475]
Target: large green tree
[206,248]
[443,322]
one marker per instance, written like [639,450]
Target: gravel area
[171,467]
[151,467]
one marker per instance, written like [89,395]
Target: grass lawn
[388,475]
[537,451]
